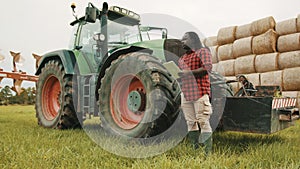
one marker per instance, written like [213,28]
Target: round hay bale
[242,47]
[226,35]
[211,41]
[287,43]
[245,65]
[215,67]
[203,41]
[262,25]
[291,79]
[254,78]
[294,94]
[226,68]
[234,85]
[265,43]
[214,54]
[286,27]
[225,52]
[243,31]
[289,60]
[271,78]
[298,23]
[266,62]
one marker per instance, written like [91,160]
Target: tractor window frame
[85,39]
[74,36]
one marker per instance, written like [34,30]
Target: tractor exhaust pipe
[104,12]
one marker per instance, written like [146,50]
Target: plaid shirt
[194,87]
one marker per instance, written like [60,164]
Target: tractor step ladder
[88,95]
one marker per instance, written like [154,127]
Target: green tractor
[111,70]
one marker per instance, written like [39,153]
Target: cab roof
[119,15]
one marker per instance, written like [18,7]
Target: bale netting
[271,78]
[214,54]
[211,41]
[225,52]
[254,78]
[265,43]
[243,31]
[262,25]
[245,65]
[234,85]
[242,47]
[289,59]
[266,62]
[286,27]
[226,68]
[287,43]
[291,80]
[226,35]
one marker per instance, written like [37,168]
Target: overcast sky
[35,26]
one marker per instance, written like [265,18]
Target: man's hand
[183,73]
[197,72]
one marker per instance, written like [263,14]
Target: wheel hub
[135,101]
[51,93]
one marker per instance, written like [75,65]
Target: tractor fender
[113,56]
[67,58]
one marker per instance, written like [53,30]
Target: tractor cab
[100,32]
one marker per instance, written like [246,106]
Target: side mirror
[90,14]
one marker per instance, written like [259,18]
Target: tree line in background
[8,96]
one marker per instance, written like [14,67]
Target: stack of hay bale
[288,45]
[268,53]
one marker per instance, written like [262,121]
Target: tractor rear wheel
[54,103]
[138,97]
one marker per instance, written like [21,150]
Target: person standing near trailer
[196,64]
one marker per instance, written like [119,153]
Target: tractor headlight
[99,37]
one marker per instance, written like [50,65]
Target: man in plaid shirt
[196,65]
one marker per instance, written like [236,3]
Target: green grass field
[24,144]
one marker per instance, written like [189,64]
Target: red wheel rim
[122,115]
[50,98]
